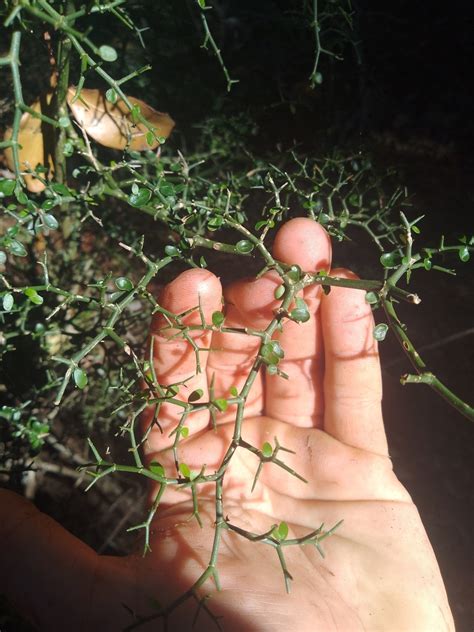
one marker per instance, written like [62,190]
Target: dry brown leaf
[111,125]
[34,138]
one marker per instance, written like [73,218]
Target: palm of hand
[378,573]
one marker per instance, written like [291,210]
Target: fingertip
[347,318]
[191,289]
[304,242]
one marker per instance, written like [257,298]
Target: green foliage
[77,259]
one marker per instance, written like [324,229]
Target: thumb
[52,578]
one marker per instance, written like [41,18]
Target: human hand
[379,572]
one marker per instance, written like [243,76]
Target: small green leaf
[267,450]
[60,188]
[185,471]
[167,188]
[427,263]
[150,138]
[50,221]
[300,313]
[217,319]
[156,468]
[280,290]
[3,257]
[389,259]
[195,395]
[124,284]
[202,4]
[7,187]
[294,274]
[63,122]
[33,295]
[464,254]
[380,331]
[17,248]
[107,53]
[244,246]
[372,298]
[324,218]
[135,112]
[282,531]
[80,378]
[48,205]
[221,403]
[215,222]
[416,230]
[140,198]
[272,352]
[233,391]
[171,251]
[318,78]
[172,390]
[111,95]
[21,196]
[184,432]
[8,302]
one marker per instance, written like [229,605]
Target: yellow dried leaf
[36,141]
[111,124]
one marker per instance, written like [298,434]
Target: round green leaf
[267,450]
[389,259]
[33,295]
[48,204]
[280,290]
[156,468]
[7,187]
[221,404]
[17,248]
[8,302]
[111,95]
[50,221]
[282,531]
[272,352]
[318,78]
[21,196]
[380,331]
[80,378]
[124,284]
[294,274]
[427,263]
[3,257]
[140,198]
[167,188]
[372,298]
[233,391]
[217,319]
[299,315]
[244,247]
[464,254]
[171,251]
[63,121]
[184,432]
[107,53]
[185,471]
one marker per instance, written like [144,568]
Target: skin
[379,573]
